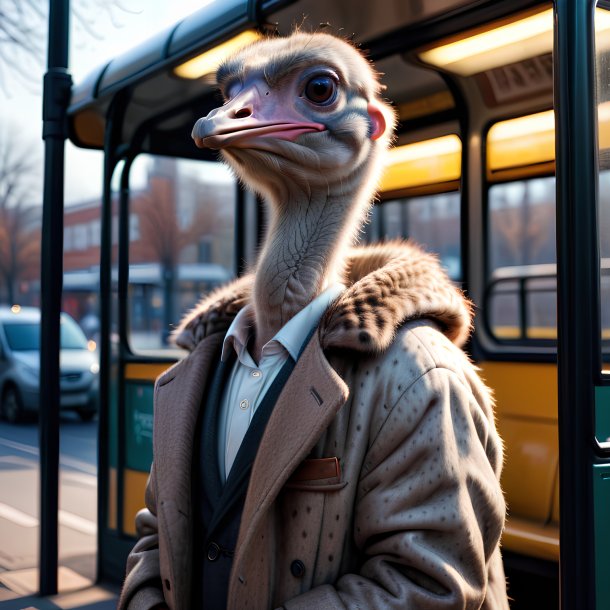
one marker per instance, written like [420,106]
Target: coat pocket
[317,474]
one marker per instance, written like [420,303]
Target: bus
[500,167]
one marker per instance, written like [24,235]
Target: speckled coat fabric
[413,521]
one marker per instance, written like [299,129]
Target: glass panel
[521,238]
[181,242]
[602,43]
[504,310]
[541,297]
[432,221]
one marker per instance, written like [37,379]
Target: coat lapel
[305,408]
[209,467]
[178,399]
[236,483]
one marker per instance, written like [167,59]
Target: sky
[107,35]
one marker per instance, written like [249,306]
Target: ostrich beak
[248,117]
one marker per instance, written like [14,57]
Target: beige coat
[411,512]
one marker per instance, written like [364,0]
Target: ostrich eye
[320,89]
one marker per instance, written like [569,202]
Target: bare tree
[164,236]
[19,220]
[23,34]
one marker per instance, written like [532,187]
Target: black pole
[240,230]
[57,83]
[579,334]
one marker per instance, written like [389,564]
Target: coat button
[297,568]
[213,551]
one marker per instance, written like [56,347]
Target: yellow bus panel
[133,498]
[525,389]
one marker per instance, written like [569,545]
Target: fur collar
[388,284]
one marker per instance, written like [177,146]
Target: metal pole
[577,294]
[57,83]
[240,230]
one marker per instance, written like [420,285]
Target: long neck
[308,234]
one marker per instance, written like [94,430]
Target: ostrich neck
[303,254]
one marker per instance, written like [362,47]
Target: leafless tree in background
[19,219]
[23,35]
[165,237]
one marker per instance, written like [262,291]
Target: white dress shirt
[248,382]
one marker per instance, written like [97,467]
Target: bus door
[582,91]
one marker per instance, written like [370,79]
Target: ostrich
[308,135]
[369,475]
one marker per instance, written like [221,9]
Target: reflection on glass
[432,221]
[504,312]
[180,242]
[522,283]
[602,44]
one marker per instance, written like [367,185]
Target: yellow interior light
[504,44]
[423,106]
[529,141]
[499,46]
[603,125]
[423,163]
[16,308]
[602,26]
[207,62]
[520,142]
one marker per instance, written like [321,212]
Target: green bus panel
[138,425]
[601,499]
[602,415]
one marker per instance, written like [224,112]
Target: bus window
[521,295]
[602,43]
[421,199]
[433,221]
[604,248]
[181,228]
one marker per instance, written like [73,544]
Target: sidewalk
[15,593]
[94,598]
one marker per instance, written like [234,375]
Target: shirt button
[256,373]
[244,404]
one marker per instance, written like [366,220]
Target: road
[19,493]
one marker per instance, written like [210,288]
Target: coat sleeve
[429,510]
[142,588]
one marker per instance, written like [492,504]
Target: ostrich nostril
[243,113]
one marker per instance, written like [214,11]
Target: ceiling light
[501,45]
[498,46]
[423,163]
[208,62]
[524,141]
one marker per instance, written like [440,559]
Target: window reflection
[432,221]
[602,43]
[522,285]
[181,243]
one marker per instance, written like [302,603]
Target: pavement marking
[79,478]
[63,460]
[19,446]
[16,516]
[66,519]
[77,523]
[17,460]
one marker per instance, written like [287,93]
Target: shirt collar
[291,336]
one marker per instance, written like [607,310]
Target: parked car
[20,365]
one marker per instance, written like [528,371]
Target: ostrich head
[300,112]
[304,126]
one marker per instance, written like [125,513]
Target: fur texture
[387,284]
